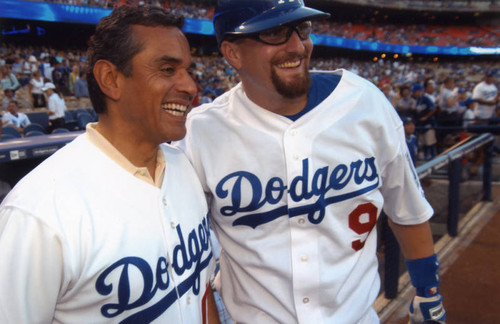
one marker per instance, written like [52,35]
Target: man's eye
[169,70]
[274,32]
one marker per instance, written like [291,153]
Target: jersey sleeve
[404,199]
[31,271]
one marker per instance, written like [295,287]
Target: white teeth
[176,113]
[289,64]
[175,109]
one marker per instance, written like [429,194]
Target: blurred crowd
[414,34]
[24,71]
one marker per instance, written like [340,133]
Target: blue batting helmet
[239,17]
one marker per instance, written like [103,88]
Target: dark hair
[114,41]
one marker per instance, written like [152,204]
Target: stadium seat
[81,111]
[34,133]
[33,127]
[6,137]
[39,117]
[83,119]
[11,131]
[69,115]
[93,114]
[70,120]
[60,130]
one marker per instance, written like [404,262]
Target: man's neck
[140,153]
[278,104]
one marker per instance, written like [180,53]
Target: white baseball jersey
[486,92]
[83,240]
[295,204]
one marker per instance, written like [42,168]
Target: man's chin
[293,86]
[175,136]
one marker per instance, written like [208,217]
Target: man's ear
[231,53]
[106,75]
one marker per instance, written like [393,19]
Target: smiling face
[270,70]
[157,96]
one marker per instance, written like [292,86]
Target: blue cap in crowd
[462,90]
[417,87]
[468,101]
[491,72]
[407,120]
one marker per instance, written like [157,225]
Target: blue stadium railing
[452,159]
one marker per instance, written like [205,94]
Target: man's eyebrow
[168,59]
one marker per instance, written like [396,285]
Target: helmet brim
[274,18]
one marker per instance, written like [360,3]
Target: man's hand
[427,306]
[427,310]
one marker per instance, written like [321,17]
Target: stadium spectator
[406,105]
[59,79]
[425,121]
[8,79]
[46,68]
[56,107]
[487,96]
[411,138]
[82,91]
[207,97]
[430,90]
[73,76]
[9,95]
[462,96]
[448,103]
[15,118]
[390,94]
[469,115]
[35,89]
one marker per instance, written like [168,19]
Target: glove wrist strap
[424,275]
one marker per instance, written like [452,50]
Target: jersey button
[164,201]
[172,224]
[301,221]
[293,133]
[296,157]
[305,300]
[304,258]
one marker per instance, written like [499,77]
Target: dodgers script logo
[187,255]
[322,184]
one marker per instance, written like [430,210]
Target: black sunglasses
[281,34]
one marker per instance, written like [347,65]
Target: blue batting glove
[427,306]
[427,310]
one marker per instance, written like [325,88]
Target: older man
[113,227]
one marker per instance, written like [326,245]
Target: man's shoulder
[61,167]
[217,106]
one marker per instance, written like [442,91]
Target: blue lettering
[319,181]
[337,175]
[180,263]
[236,192]
[304,194]
[322,183]
[186,256]
[275,185]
